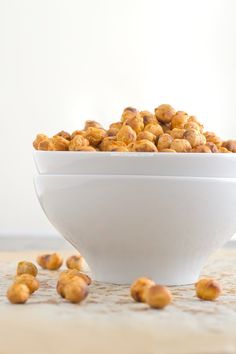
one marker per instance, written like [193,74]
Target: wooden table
[110,322]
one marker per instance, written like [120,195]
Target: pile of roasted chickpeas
[73,283]
[165,130]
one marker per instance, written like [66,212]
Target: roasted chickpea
[50,261]
[202,149]
[147,136]
[76,290]
[213,147]
[223,150]
[92,124]
[179,120]
[180,145]
[126,134]
[148,118]
[66,277]
[29,280]
[164,113]
[143,146]
[18,293]
[64,135]
[192,125]
[136,123]
[168,150]
[129,112]
[60,144]
[115,146]
[77,132]
[155,129]
[86,148]
[77,142]
[230,145]
[195,120]
[177,133]
[46,145]
[24,267]
[76,262]
[114,128]
[164,142]
[166,127]
[39,138]
[158,296]
[139,288]
[194,137]
[95,135]
[208,289]
[213,138]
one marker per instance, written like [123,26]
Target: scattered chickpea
[164,142]
[66,277]
[164,113]
[76,290]
[208,289]
[147,136]
[179,120]
[143,146]
[18,293]
[75,262]
[180,145]
[126,134]
[95,135]
[139,288]
[24,267]
[29,280]
[155,129]
[158,297]
[50,261]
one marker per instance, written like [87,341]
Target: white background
[64,61]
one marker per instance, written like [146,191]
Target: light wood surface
[110,322]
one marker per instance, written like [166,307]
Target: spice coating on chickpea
[59,143]
[94,135]
[147,136]
[158,297]
[114,128]
[148,118]
[164,142]
[128,112]
[139,288]
[24,267]
[164,113]
[180,145]
[39,138]
[18,293]
[76,290]
[29,280]
[179,120]
[194,137]
[143,146]
[77,142]
[50,261]
[75,262]
[177,133]
[126,134]
[208,289]
[136,123]
[155,129]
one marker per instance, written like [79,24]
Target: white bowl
[153,164]
[131,226]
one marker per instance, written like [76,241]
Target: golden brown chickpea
[194,137]
[77,132]
[118,149]
[143,146]
[50,261]
[180,145]
[115,146]
[192,125]
[139,288]
[66,277]
[64,135]
[213,138]
[76,290]
[76,262]
[223,150]
[155,129]
[39,138]
[166,127]
[168,150]
[147,136]
[126,135]
[158,297]
[148,118]
[114,128]
[86,148]
[108,140]
[164,142]
[95,135]
[230,145]
[77,142]
[92,124]
[213,147]
[24,267]
[18,293]
[202,149]
[128,112]
[208,289]
[194,119]
[177,133]
[29,280]
[164,113]
[60,144]
[179,120]
[46,145]
[136,123]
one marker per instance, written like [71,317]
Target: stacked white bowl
[158,215]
